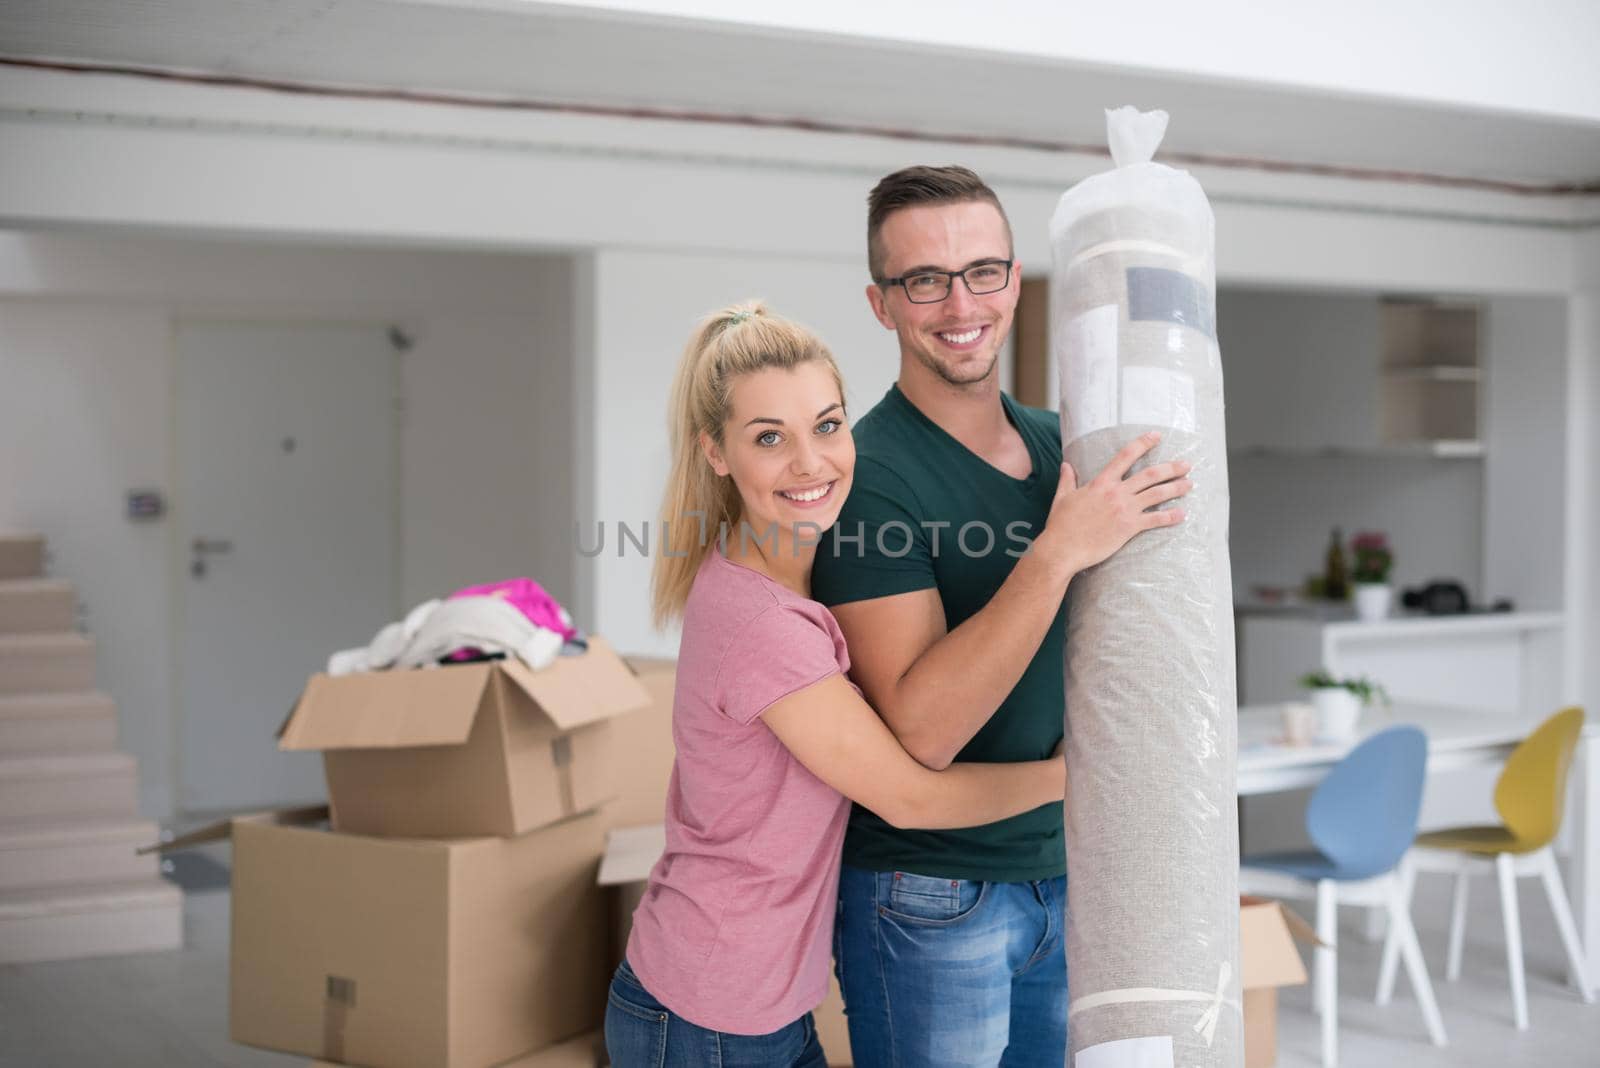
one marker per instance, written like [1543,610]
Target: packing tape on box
[561,755]
[339,999]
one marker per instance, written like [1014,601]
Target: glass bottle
[1336,580]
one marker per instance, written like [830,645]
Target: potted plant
[1339,702]
[1370,576]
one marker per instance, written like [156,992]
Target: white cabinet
[1349,373]
[1301,369]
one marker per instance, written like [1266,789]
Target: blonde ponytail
[698,503]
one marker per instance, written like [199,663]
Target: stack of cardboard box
[458,914]
[449,917]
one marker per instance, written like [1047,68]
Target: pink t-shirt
[735,929]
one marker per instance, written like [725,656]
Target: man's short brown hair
[918,186]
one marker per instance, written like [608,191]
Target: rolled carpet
[1151,716]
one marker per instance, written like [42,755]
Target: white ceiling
[590,57]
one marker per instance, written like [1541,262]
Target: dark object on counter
[1438,598]
[1335,581]
[1446,597]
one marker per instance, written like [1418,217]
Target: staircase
[70,882]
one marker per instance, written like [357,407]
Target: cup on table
[1299,723]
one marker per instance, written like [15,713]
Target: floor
[170,1010]
[155,1010]
[1476,1009]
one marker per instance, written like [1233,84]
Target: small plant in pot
[1339,702]
[1370,576]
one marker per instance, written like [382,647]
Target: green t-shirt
[931,514]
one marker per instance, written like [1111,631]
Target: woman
[731,943]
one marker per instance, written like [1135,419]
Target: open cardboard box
[1267,934]
[642,748]
[491,748]
[412,953]
[1267,960]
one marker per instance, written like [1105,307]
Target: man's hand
[1089,523]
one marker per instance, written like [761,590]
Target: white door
[287,509]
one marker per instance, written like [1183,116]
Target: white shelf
[1453,450]
[1429,375]
[1433,373]
[1427,627]
[1439,450]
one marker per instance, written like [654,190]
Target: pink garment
[735,927]
[529,598]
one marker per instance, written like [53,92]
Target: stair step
[72,722]
[41,788]
[45,663]
[64,923]
[21,556]
[31,606]
[76,852]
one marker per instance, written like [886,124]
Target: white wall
[646,305]
[86,414]
[1524,351]
[1394,48]
[485,455]
[1583,472]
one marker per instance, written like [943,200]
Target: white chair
[1530,796]
[1361,820]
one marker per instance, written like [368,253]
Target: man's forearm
[952,689]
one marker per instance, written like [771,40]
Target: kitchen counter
[1401,625]
[1477,660]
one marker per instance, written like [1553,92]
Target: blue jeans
[643,1033]
[952,973]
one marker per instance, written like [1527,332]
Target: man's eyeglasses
[930,287]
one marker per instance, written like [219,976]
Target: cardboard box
[585,1051]
[469,749]
[1267,960]
[642,750]
[413,953]
[630,854]
[624,869]
[832,1030]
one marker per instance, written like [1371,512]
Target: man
[947,571]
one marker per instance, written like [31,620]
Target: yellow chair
[1530,797]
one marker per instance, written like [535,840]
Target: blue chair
[1362,819]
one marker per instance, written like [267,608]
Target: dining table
[1458,738]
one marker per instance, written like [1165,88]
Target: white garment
[435,629]
[386,645]
[488,623]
